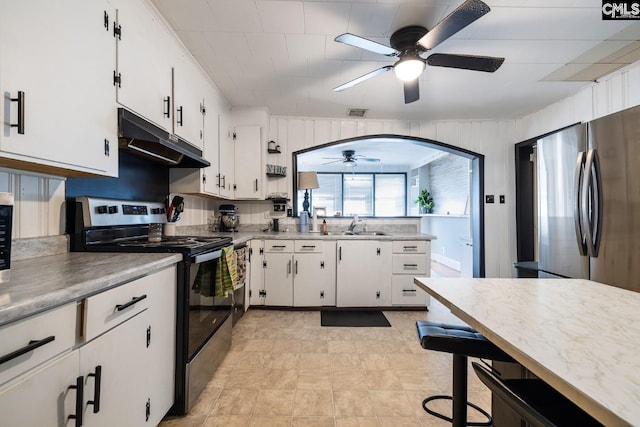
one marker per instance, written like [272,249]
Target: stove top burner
[181,241]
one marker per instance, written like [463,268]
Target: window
[365,194]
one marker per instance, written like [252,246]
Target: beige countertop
[580,336]
[39,284]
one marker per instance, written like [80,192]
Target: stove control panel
[109,212]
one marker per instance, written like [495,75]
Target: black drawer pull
[33,344]
[134,301]
[410,265]
[96,389]
[309,246]
[278,246]
[79,388]
[20,101]
[411,248]
[408,290]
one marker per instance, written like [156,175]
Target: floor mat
[354,319]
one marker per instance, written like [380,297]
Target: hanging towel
[226,273]
[218,281]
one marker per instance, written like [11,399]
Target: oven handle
[208,256]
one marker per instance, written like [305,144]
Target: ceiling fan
[350,159]
[412,42]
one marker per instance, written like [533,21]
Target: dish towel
[218,282]
[226,273]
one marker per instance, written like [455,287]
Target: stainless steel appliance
[229,218]
[203,333]
[588,196]
[6,223]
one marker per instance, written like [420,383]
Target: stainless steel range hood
[147,140]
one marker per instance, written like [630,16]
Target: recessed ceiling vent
[357,112]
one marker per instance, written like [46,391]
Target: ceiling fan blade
[360,79]
[411,91]
[366,44]
[487,64]
[369,159]
[464,15]
[333,161]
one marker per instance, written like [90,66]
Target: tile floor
[284,369]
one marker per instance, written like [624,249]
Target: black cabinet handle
[296,270]
[410,265]
[409,290]
[148,336]
[167,107]
[96,389]
[278,246]
[410,248]
[133,301]
[309,246]
[20,101]
[179,119]
[340,253]
[79,388]
[256,184]
[33,344]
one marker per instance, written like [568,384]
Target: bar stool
[536,402]
[462,342]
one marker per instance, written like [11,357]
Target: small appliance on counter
[6,223]
[229,218]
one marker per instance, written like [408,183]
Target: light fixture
[409,68]
[307,181]
[350,163]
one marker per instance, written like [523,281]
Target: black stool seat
[462,341]
[458,339]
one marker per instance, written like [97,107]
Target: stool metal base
[487,423]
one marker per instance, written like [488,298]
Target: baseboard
[451,263]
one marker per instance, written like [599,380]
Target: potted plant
[425,201]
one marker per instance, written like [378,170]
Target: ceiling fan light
[409,68]
[350,163]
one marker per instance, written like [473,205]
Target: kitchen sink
[364,233]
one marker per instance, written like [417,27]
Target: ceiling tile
[305,45]
[268,45]
[235,16]
[326,18]
[371,20]
[279,16]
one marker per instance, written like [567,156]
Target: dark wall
[139,179]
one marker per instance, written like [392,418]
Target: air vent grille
[357,112]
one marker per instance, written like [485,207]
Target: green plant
[425,200]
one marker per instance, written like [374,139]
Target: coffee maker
[229,218]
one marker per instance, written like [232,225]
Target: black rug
[354,319]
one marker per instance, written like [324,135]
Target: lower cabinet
[278,272]
[363,273]
[411,258]
[314,273]
[120,372]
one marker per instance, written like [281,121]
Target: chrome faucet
[354,223]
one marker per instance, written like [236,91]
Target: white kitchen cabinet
[61,57]
[248,181]
[363,273]
[226,172]
[43,397]
[189,86]
[125,349]
[411,258]
[278,272]
[146,52]
[256,272]
[314,273]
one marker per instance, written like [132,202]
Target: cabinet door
[248,163]
[146,52]
[309,280]
[42,398]
[363,273]
[62,56]
[227,166]
[121,355]
[278,279]
[256,272]
[211,147]
[188,89]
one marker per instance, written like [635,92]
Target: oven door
[209,307]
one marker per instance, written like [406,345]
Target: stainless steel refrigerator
[588,198]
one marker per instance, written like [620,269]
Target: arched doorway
[391,149]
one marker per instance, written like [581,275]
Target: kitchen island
[579,336]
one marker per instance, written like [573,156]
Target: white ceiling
[281,54]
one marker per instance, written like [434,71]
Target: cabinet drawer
[108,309]
[410,264]
[278,245]
[410,246]
[404,292]
[38,338]
[308,245]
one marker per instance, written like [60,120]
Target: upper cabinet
[57,61]
[155,77]
[248,181]
[145,54]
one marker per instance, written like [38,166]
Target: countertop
[42,283]
[244,236]
[580,336]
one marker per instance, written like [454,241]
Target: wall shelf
[272,151]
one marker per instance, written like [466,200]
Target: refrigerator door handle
[592,203]
[578,208]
